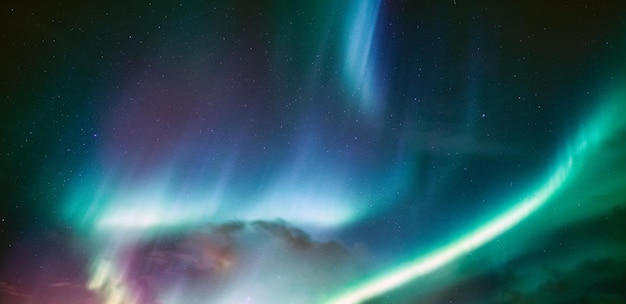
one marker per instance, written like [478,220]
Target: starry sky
[313,152]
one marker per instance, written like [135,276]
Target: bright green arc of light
[606,122]
[434,260]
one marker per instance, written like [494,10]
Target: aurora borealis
[313,152]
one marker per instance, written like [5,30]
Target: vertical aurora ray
[360,62]
[167,172]
[109,283]
[286,152]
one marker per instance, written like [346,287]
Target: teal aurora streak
[603,125]
[286,152]
[143,211]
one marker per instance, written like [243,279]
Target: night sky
[313,152]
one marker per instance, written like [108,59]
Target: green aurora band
[603,125]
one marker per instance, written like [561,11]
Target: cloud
[298,239]
[45,268]
[262,261]
[11,291]
[591,281]
[53,293]
[67,285]
[584,261]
